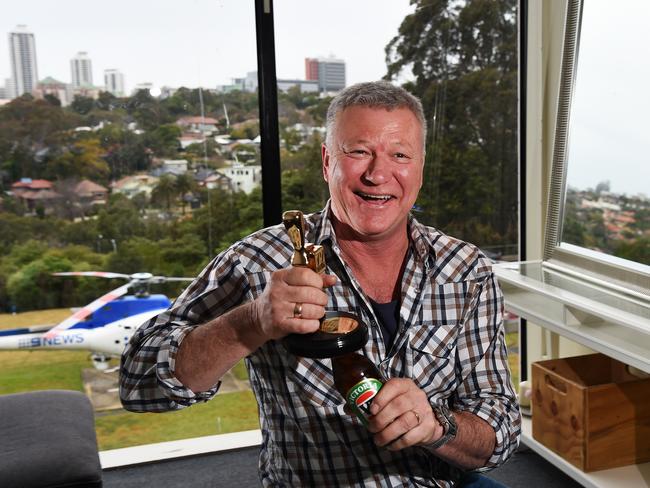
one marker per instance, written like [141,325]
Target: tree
[165,191]
[31,131]
[34,287]
[637,250]
[106,101]
[52,99]
[225,218]
[303,185]
[124,151]
[146,110]
[602,187]
[82,105]
[82,159]
[184,184]
[119,220]
[464,59]
[163,140]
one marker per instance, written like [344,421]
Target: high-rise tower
[22,53]
[114,82]
[82,70]
[330,73]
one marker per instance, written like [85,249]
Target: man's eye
[357,153]
[401,157]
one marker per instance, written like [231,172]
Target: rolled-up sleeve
[148,382]
[486,388]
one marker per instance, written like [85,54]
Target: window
[599,202]
[132,127]
[468,85]
[148,102]
[607,203]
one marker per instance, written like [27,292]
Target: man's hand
[402,416]
[288,290]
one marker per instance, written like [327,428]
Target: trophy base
[327,344]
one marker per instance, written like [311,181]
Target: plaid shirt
[450,341]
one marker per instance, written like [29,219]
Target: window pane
[607,205]
[129,148]
[460,58]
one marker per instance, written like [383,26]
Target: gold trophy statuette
[339,332]
[304,254]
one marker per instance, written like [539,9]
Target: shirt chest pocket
[432,356]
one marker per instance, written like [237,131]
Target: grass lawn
[512,342]
[37,317]
[230,412]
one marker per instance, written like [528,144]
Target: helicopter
[104,326]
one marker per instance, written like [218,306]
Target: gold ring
[297,311]
[416,416]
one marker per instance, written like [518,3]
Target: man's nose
[378,170]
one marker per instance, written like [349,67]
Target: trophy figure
[304,254]
[340,332]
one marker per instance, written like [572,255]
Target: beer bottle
[358,380]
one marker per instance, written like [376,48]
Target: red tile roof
[34,184]
[87,187]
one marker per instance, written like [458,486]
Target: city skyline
[206,43]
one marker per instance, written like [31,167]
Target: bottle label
[360,396]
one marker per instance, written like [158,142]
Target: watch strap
[449,428]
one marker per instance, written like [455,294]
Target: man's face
[374,169]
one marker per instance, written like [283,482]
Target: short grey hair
[374,94]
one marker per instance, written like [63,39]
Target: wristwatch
[449,427]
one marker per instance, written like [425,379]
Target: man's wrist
[447,421]
[249,329]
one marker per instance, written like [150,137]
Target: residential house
[91,193]
[178,166]
[243,177]
[205,125]
[36,193]
[210,179]
[134,184]
[190,138]
[172,167]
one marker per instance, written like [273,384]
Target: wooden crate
[591,411]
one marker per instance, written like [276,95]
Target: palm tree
[165,191]
[184,184]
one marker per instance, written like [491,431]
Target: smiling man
[431,301]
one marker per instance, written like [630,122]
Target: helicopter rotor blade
[84,312]
[99,274]
[164,279]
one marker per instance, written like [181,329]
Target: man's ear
[325,158]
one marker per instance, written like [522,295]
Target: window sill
[127,456]
[604,318]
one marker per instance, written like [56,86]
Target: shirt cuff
[178,394]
